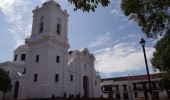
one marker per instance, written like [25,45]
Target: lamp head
[142,42]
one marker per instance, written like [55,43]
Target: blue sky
[107,33]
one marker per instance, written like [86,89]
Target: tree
[164,83]
[161,57]
[5,82]
[88,5]
[153,16]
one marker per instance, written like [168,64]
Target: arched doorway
[16,90]
[86,86]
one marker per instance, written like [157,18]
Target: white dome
[22,47]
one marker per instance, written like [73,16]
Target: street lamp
[142,42]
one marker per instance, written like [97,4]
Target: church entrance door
[86,86]
[16,90]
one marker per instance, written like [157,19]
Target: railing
[146,89]
[125,91]
[107,91]
[155,88]
[116,91]
[71,99]
[135,89]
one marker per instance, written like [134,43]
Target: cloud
[116,13]
[127,23]
[116,10]
[13,11]
[100,40]
[42,1]
[121,57]
[130,38]
[124,55]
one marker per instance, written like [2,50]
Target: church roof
[13,64]
[135,77]
[82,49]
[51,2]
[22,47]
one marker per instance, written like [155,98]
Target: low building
[131,87]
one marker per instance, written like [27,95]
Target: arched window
[58,29]
[41,26]
[84,52]
[15,58]
[85,66]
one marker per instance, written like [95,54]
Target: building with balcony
[131,87]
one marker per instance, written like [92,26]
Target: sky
[107,33]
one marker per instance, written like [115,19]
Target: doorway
[16,90]
[86,86]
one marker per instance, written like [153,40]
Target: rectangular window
[146,95]
[144,86]
[23,56]
[134,87]
[58,59]
[35,77]
[56,77]
[41,26]
[118,96]
[156,95]
[108,88]
[37,58]
[95,82]
[136,94]
[15,58]
[125,96]
[124,87]
[110,95]
[117,87]
[168,94]
[154,85]
[58,29]
[71,77]
[85,66]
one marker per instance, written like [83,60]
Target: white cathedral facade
[43,66]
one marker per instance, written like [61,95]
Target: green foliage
[164,83]
[153,16]
[161,57]
[88,5]
[5,81]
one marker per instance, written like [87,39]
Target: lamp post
[142,42]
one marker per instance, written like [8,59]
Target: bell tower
[50,20]
[47,54]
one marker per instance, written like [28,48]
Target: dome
[22,47]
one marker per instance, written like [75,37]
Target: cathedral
[43,66]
